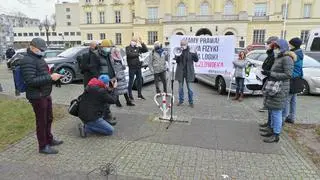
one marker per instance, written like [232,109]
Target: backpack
[83,62]
[19,84]
[74,106]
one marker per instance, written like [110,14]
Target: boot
[118,104]
[129,103]
[236,97]
[48,150]
[264,125]
[267,129]
[267,134]
[272,139]
[241,97]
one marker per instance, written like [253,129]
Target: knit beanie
[295,42]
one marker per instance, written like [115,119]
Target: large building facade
[250,21]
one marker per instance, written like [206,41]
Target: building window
[66,33]
[152,37]
[68,16]
[72,33]
[228,8]
[19,34]
[102,36]
[260,9]
[42,34]
[15,34]
[204,9]
[152,13]
[284,11]
[259,36]
[89,18]
[118,39]
[304,36]
[25,34]
[30,34]
[68,23]
[181,11]
[78,33]
[283,36]
[101,1]
[118,16]
[133,15]
[54,34]
[88,1]
[67,9]
[36,34]
[307,11]
[89,36]
[101,17]
[49,34]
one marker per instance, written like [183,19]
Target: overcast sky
[32,8]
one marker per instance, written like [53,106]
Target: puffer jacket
[95,100]
[157,62]
[105,64]
[281,71]
[298,64]
[133,54]
[239,68]
[119,68]
[35,72]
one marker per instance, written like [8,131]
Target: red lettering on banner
[209,64]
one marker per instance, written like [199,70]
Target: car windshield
[238,50]
[71,52]
[310,62]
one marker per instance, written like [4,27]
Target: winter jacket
[185,65]
[268,62]
[94,101]
[91,69]
[9,53]
[119,68]
[157,62]
[35,72]
[133,54]
[239,67]
[105,64]
[281,71]
[298,64]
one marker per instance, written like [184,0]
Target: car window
[310,62]
[71,52]
[262,57]
[51,54]
[315,44]
[253,56]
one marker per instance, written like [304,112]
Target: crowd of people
[105,81]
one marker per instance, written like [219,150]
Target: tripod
[171,111]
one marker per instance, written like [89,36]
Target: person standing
[280,72]
[240,66]
[158,66]
[38,81]
[185,71]
[133,52]
[289,112]
[119,67]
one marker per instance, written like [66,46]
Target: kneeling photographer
[97,95]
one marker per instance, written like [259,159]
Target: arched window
[228,8]
[181,11]
[204,9]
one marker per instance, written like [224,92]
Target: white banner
[215,53]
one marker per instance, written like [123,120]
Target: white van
[313,43]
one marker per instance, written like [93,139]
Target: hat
[104,78]
[272,39]
[106,43]
[296,42]
[39,43]
[283,45]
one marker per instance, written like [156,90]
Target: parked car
[311,70]
[21,52]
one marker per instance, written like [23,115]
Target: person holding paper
[239,73]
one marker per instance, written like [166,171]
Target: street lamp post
[285,20]
[46,24]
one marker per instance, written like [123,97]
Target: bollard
[163,106]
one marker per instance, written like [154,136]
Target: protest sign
[215,53]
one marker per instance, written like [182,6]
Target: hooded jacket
[298,64]
[93,102]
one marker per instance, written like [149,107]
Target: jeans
[275,117]
[160,76]
[290,107]
[43,110]
[240,85]
[135,72]
[181,92]
[100,126]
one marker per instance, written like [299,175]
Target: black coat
[36,75]
[133,54]
[91,69]
[185,65]
[94,102]
[268,62]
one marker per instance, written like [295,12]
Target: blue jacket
[298,64]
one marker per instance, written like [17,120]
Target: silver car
[311,70]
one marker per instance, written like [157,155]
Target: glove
[266,73]
[58,83]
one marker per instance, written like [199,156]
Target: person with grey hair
[185,71]
[158,66]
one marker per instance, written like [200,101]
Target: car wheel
[306,88]
[134,86]
[68,76]
[221,86]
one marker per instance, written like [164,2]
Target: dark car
[67,60]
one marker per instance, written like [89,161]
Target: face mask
[184,47]
[106,50]
[39,53]
[291,47]
[276,52]
[133,43]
